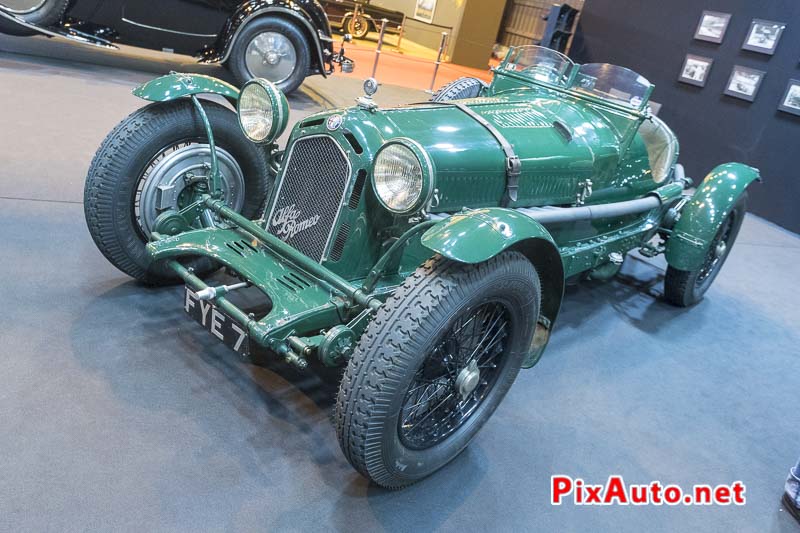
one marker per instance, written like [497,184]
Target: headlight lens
[401,176]
[263,111]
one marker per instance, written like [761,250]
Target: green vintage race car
[424,247]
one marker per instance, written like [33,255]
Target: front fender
[702,216]
[177,85]
[476,236]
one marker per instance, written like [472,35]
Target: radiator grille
[310,195]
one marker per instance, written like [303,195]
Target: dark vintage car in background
[280,40]
[359,18]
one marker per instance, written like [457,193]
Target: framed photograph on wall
[712,26]
[763,36]
[425,10]
[790,102]
[695,70]
[744,83]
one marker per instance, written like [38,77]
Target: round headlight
[263,111]
[402,175]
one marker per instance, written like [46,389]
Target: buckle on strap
[513,163]
[513,171]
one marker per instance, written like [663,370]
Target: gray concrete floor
[119,413]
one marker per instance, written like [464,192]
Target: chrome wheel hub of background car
[178,175]
[21,7]
[271,55]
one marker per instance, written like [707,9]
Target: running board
[67,33]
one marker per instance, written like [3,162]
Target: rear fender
[702,216]
[177,85]
[476,236]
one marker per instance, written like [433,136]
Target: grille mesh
[311,192]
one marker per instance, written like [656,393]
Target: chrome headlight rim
[428,174]
[279,110]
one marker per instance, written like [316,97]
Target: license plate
[221,325]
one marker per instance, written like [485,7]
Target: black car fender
[306,14]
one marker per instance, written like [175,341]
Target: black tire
[459,90]
[358,27]
[125,155]
[237,62]
[45,15]
[686,288]
[399,344]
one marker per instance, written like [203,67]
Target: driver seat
[662,147]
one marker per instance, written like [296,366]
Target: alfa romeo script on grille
[286,222]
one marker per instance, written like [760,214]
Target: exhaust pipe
[560,215]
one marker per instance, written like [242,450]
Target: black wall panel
[653,37]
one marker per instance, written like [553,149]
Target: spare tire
[43,13]
[460,89]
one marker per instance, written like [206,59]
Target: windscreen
[541,64]
[611,82]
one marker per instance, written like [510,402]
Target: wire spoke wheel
[433,365]
[455,377]
[687,287]
[718,250]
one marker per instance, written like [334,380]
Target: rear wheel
[434,364]
[156,160]
[273,49]
[42,13]
[685,288]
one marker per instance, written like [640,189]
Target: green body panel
[470,167]
[574,150]
[176,85]
[477,236]
[703,215]
[301,303]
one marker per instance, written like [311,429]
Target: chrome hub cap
[468,379]
[272,56]
[178,175]
[21,7]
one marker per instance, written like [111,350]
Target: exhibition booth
[399,265]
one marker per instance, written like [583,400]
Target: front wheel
[434,364]
[685,288]
[273,49]
[156,160]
